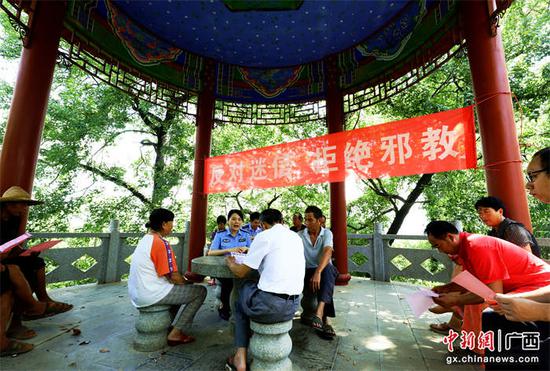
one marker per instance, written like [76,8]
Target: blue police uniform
[225,240]
[248,228]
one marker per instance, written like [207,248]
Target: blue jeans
[260,306]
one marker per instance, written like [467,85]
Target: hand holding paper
[239,258]
[420,301]
[40,247]
[472,284]
[16,241]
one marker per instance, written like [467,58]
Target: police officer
[253,227]
[233,239]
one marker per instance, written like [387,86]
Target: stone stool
[152,325]
[270,346]
[309,305]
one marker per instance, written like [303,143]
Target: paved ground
[376,331]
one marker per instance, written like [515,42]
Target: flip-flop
[52,308]
[16,347]
[21,333]
[441,328]
[230,366]
[185,339]
[328,330]
[316,323]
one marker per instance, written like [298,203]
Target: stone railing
[369,254]
[372,254]
[109,257]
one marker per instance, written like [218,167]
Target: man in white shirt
[320,275]
[278,254]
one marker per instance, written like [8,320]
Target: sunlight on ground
[378,343]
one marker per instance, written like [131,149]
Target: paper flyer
[472,284]
[239,258]
[40,247]
[16,241]
[420,301]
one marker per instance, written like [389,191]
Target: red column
[495,114]
[30,98]
[338,213]
[199,201]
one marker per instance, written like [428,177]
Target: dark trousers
[515,336]
[225,292]
[260,306]
[326,291]
[29,265]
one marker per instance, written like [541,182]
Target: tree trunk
[400,215]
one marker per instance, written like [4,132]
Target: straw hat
[18,194]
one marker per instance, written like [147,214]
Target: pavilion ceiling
[269,65]
[265,56]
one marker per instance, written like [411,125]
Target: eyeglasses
[531,175]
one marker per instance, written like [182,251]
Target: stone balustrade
[375,255]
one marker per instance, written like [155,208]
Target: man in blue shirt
[320,276]
[253,227]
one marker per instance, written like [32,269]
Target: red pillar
[30,98]
[495,113]
[338,213]
[199,201]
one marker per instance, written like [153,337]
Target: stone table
[213,266]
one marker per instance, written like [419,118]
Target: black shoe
[224,314]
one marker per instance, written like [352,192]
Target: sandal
[16,347]
[184,339]
[316,323]
[230,365]
[441,328]
[52,308]
[328,330]
[21,333]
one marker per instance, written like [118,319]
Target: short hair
[440,228]
[494,203]
[235,211]
[157,217]
[317,213]
[544,156]
[299,216]
[254,216]
[271,216]
[221,219]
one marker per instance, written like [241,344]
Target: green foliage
[106,156]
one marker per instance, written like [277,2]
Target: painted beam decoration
[432,143]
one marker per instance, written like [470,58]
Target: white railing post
[113,254]
[378,254]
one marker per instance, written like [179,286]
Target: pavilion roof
[266,55]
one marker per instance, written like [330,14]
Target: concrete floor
[375,331]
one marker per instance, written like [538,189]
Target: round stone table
[213,266]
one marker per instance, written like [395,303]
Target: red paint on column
[495,112]
[203,141]
[338,212]
[30,98]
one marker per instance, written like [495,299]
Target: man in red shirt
[501,265]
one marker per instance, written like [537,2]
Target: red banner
[433,143]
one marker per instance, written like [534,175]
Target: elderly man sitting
[277,254]
[320,273]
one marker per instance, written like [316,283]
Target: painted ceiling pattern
[264,56]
